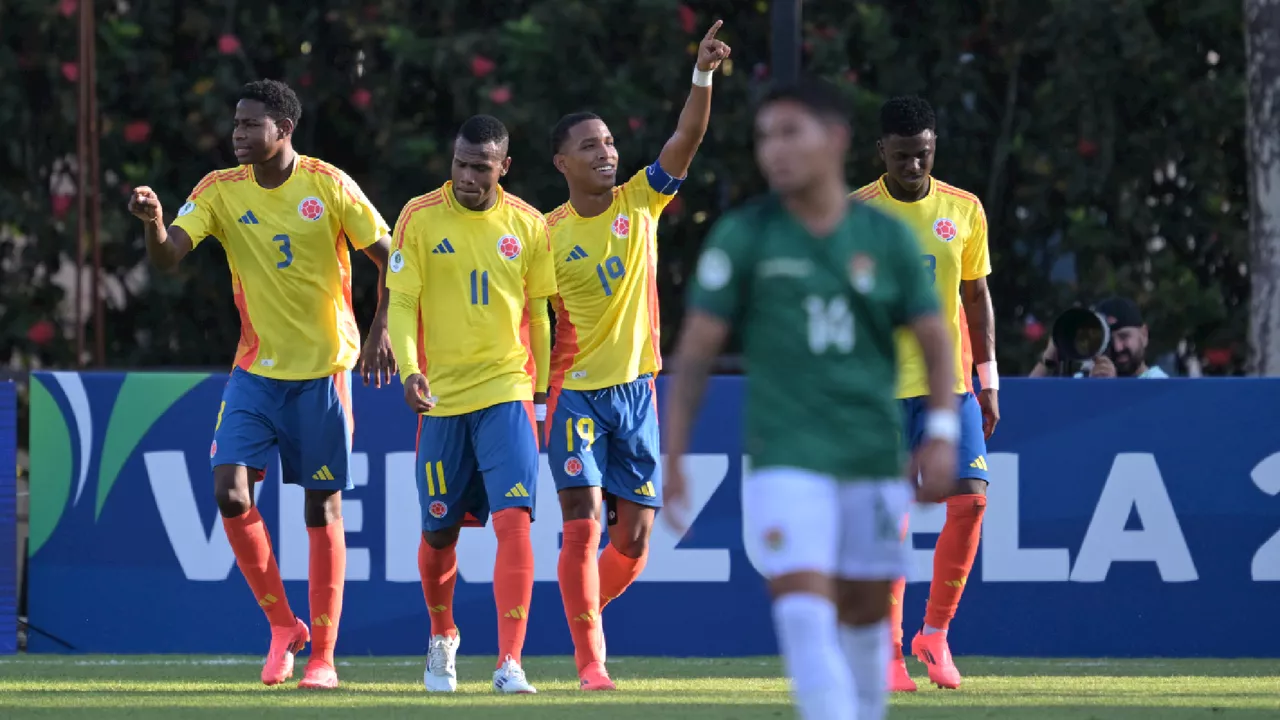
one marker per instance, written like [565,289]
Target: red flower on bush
[71,71]
[500,95]
[60,204]
[228,44]
[481,66]
[361,98]
[41,332]
[67,8]
[137,131]
[688,18]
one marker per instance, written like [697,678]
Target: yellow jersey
[290,266]
[608,328]
[952,228]
[473,273]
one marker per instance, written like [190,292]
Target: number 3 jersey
[817,317]
[472,273]
[290,266]
[952,231]
[607,323]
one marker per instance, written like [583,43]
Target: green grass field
[140,687]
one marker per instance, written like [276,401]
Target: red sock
[953,558]
[580,586]
[439,572]
[252,546]
[512,580]
[897,591]
[617,572]
[326,576]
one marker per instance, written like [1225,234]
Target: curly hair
[279,99]
[906,116]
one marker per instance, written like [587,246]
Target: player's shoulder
[755,214]
[219,180]
[557,217]
[959,198]
[522,211]
[868,193]
[422,206]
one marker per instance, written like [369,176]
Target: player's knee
[232,491]
[441,539]
[862,602]
[580,503]
[322,508]
[630,535]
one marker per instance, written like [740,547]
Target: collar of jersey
[459,208]
[297,165]
[933,188]
[574,211]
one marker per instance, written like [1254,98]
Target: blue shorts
[972,445]
[479,462]
[308,421]
[607,439]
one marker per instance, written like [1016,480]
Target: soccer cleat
[899,679]
[933,651]
[285,643]
[441,674]
[510,679]
[595,677]
[320,675]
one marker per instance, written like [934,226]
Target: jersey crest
[509,247]
[311,209]
[945,230]
[862,273]
[622,225]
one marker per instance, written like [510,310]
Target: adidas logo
[646,490]
[519,613]
[577,254]
[322,621]
[518,491]
[322,474]
[444,248]
[249,218]
[980,463]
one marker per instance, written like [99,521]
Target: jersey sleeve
[540,274]
[405,276]
[654,187]
[198,216]
[361,222]
[917,297]
[722,274]
[975,261]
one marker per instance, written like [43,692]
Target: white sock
[807,636]
[930,630]
[867,649]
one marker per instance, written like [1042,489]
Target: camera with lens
[1080,335]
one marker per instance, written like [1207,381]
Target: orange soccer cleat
[933,651]
[320,675]
[899,679]
[285,643]
[595,677]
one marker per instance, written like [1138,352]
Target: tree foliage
[1105,137]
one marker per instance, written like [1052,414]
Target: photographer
[1126,352]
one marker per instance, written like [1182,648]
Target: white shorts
[801,521]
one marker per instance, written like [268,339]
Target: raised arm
[677,154]
[165,247]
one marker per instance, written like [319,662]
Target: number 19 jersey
[607,324]
[818,317]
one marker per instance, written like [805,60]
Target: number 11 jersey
[607,324]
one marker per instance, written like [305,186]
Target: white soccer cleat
[510,679]
[441,674]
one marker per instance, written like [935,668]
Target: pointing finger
[714,29]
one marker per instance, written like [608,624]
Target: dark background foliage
[1105,138]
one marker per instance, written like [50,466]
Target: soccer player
[470,276]
[817,285]
[952,230]
[284,220]
[603,434]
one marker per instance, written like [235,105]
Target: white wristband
[540,412]
[988,376]
[701,78]
[942,425]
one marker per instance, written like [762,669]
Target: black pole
[786,41]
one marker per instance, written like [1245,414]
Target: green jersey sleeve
[723,271]
[917,297]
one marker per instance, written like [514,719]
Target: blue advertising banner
[1126,518]
[8,519]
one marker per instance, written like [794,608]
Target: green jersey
[817,317]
